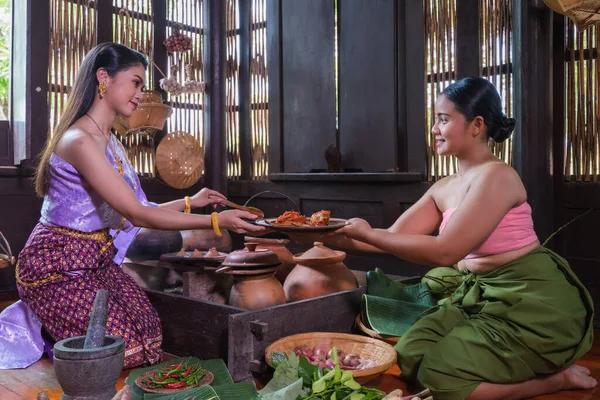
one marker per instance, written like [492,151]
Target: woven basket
[370,332]
[584,13]
[179,160]
[366,348]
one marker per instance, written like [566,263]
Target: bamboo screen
[495,65]
[72,35]
[188,114]
[232,27]
[259,114]
[133,26]
[496,59]
[259,128]
[440,62]
[582,105]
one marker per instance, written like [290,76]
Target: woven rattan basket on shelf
[583,12]
[179,160]
[150,116]
[366,348]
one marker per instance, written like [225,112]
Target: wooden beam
[414,83]
[245,128]
[275,86]
[215,54]
[467,38]
[532,146]
[104,21]
[558,136]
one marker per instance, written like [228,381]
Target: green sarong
[527,318]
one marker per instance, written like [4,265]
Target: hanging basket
[150,116]
[584,13]
[179,160]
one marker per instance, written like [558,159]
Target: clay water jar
[254,283]
[319,271]
[277,246]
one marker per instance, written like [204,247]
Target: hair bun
[505,129]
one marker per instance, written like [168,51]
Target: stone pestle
[96,330]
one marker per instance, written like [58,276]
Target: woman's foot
[577,377]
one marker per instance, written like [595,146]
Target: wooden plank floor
[27,383]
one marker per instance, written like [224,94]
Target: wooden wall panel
[367,94]
[308,83]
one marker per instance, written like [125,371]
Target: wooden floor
[27,383]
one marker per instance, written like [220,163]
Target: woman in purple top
[93,206]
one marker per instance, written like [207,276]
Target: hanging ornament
[178,42]
[191,85]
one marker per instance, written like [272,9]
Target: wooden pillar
[244,94]
[411,78]
[275,86]
[467,38]
[104,21]
[532,33]
[215,54]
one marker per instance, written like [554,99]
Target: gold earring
[102,89]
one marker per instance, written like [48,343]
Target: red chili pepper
[175,385]
[188,370]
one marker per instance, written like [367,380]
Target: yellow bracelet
[214,222]
[188,204]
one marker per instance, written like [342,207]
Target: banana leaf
[378,284]
[391,307]
[390,316]
[222,387]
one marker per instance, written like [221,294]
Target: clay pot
[205,239]
[254,283]
[254,292]
[277,246]
[150,244]
[319,271]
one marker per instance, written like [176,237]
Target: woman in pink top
[521,318]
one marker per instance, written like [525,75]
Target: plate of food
[292,221]
[211,256]
[174,378]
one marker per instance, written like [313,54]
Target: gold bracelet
[188,204]
[214,222]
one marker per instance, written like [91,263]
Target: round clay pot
[205,239]
[150,244]
[254,283]
[254,292]
[277,246]
[319,271]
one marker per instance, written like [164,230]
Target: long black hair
[474,97]
[113,57]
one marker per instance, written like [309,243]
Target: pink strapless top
[514,231]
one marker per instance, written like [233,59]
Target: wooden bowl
[179,160]
[367,349]
[370,332]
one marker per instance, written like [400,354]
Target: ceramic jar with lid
[319,271]
[254,283]
[277,246]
